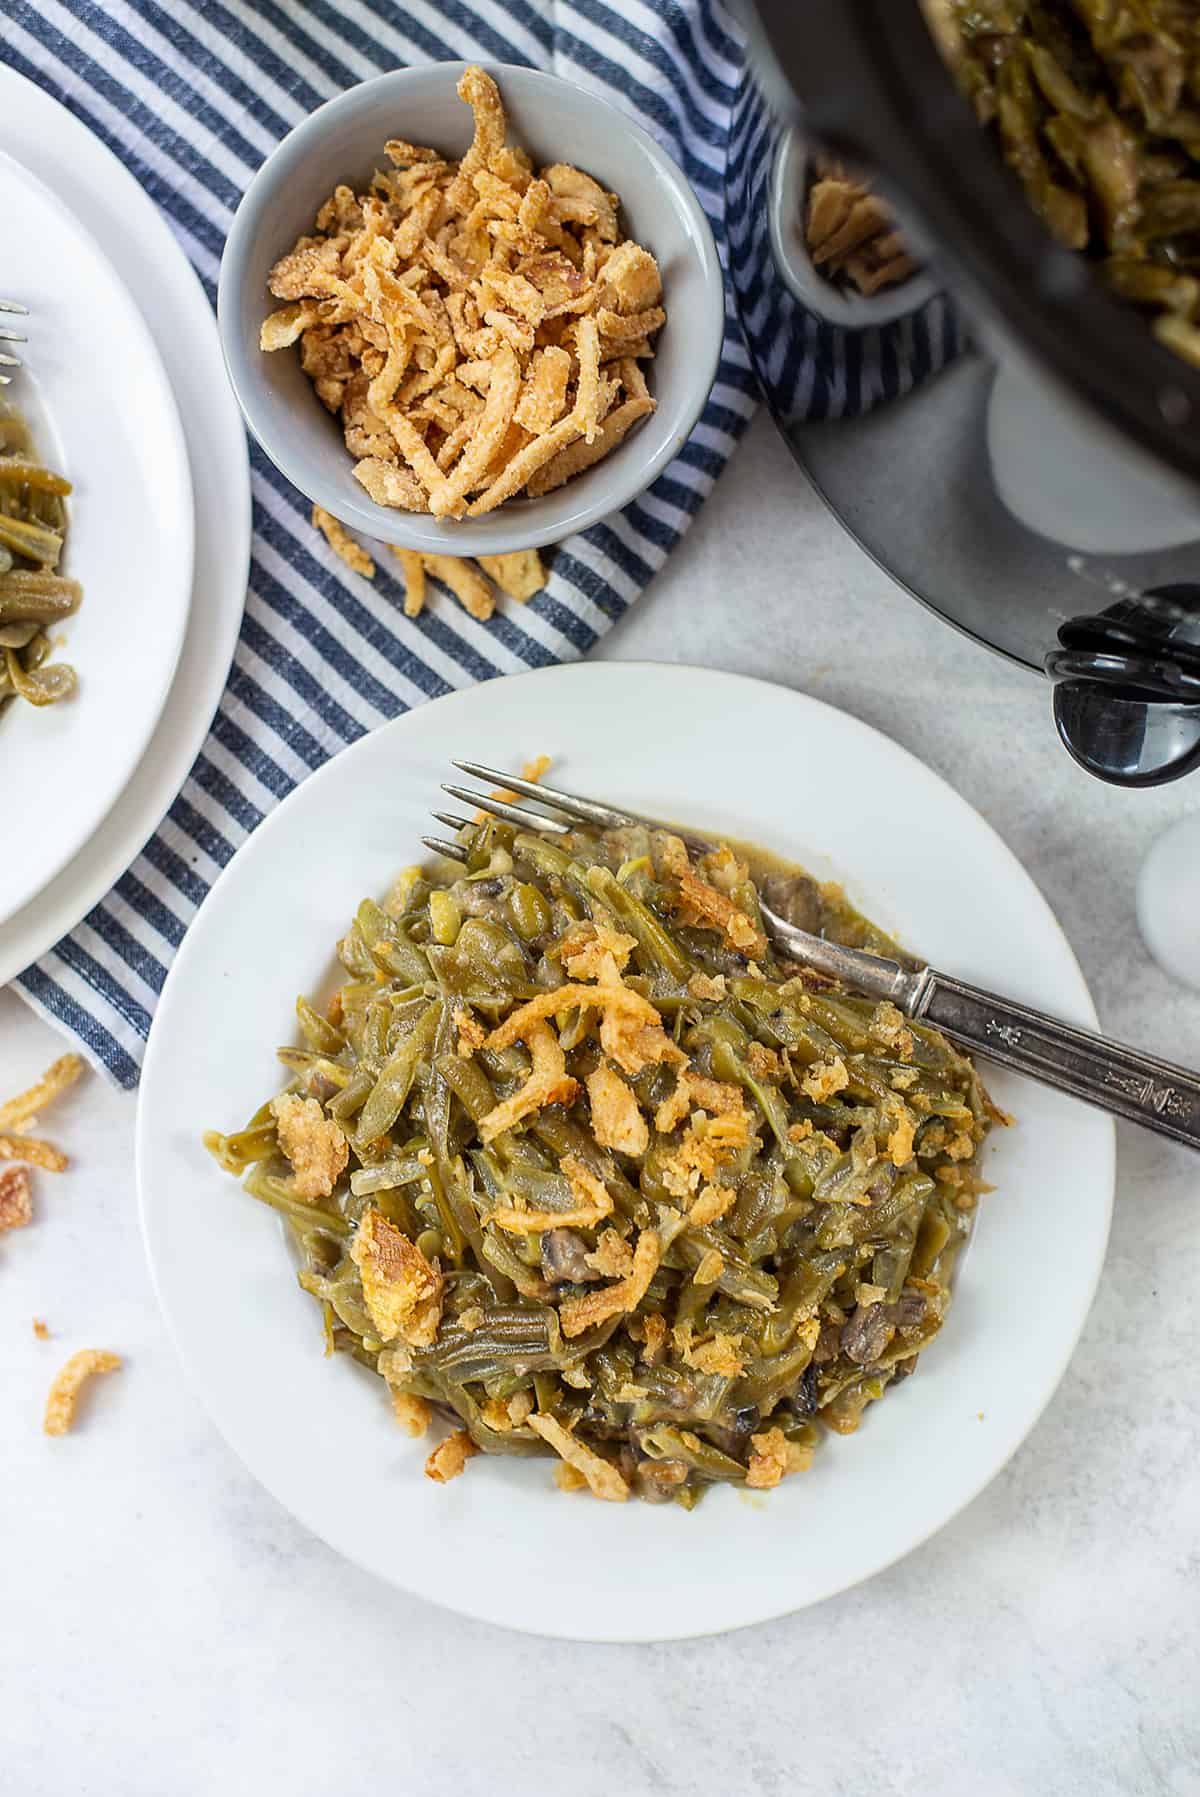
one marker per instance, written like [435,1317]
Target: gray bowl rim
[498,532]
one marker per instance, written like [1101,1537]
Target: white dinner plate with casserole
[726,756]
[96,395]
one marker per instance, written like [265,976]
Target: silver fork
[1116,1078]
[6,336]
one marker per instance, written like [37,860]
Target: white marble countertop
[168,1631]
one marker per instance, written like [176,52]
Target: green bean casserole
[34,596]
[1097,108]
[577,1163]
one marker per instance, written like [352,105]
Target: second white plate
[72,161]
[101,406]
[723,754]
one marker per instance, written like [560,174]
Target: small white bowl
[836,304]
[556,122]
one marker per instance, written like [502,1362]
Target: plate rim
[179,500]
[481,1610]
[222,559]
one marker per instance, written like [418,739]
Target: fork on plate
[1123,1080]
[6,336]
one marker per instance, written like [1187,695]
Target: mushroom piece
[797,899]
[867,1334]
[564,1258]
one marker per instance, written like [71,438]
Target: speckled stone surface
[167,1631]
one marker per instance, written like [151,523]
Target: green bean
[801,1294]
[729,1065]
[388,944]
[278,1195]
[317,1031]
[257,1142]
[44,686]
[384,1175]
[469,1084]
[31,540]
[665,1443]
[22,471]
[304,1061]
[656,943]
[353,1094]
[445,918]
[531,914]
[563,1136]
[766,1379]
[391,1089]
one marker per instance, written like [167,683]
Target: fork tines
[589,811]
[523,816]
[13,306]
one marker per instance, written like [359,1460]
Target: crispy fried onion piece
[578,1314]
[596,951]
[312,1142]
[548,1082]
[631,1030]
[286,326]
[412,566]
[901,1142]
[342,543]
[450,1456]
[711,1204]
[506,1414]
[16,1198]
[774,1456]
[709,1143]
[465,581]
[594,1204]
[54,1082]
[825,1079]
[695,1090]
[520,574]
[412,1414]
[602,1477]
[35,1151]
[71,1379]
[723,1355]
[471,1033]
[616,1120]
[584,453]
[388,484]
[702,905]
[612,1256]
[402,1292]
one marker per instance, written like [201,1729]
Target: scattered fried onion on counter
[519,574]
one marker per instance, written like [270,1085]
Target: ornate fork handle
[1138,1086]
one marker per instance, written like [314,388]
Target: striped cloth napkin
[192,97]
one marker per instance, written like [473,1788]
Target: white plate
[726,754]
[36,130]
[97,394]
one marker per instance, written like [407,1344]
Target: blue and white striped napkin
[192,97]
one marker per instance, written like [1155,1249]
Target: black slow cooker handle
[1127,687]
